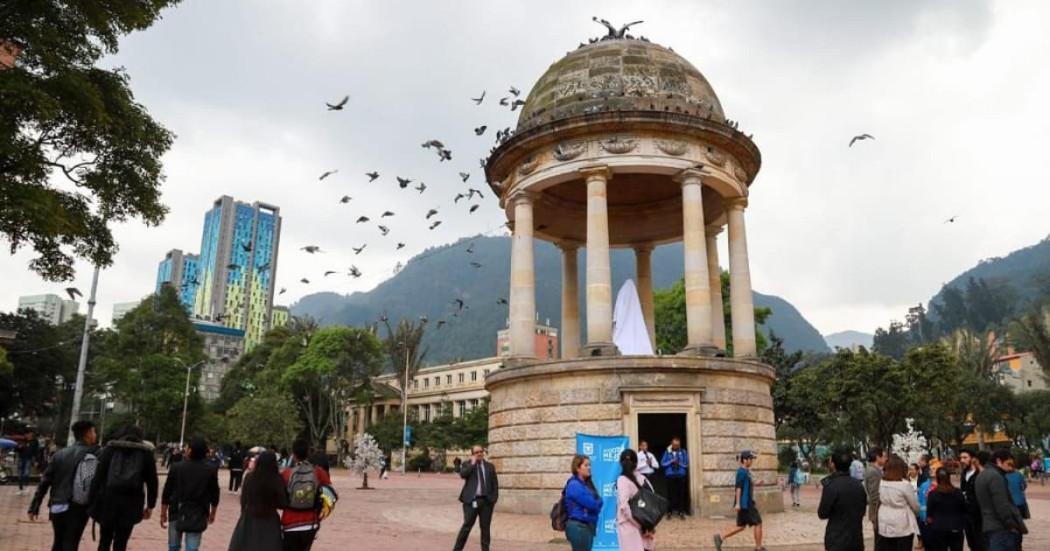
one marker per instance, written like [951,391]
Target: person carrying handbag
[632,536]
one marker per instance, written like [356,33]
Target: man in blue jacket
[676,470]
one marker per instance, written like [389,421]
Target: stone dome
[619,75]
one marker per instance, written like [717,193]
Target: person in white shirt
[647,462]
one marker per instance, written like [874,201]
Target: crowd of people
[282,502]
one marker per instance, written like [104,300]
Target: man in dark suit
[479,495]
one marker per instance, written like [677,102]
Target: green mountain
[1026,270]
[431,281]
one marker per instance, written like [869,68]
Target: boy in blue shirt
[744,502]
[676,469]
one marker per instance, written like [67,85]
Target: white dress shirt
[647,463]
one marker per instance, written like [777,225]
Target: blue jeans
[193,539]
[25,464]
[1002,540]
[580,535]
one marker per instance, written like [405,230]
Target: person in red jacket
[300,525]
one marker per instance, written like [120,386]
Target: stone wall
[536,409]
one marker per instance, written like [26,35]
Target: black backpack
[125,471]
[559,514]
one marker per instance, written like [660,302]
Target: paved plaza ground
[420,513]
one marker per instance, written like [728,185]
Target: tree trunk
[364,481]
[980,438]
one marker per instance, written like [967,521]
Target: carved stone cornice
[735,203]
[596,171]
[689,176]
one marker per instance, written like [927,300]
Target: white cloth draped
[629,332]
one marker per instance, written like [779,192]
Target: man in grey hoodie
[1000,519]
[68,518]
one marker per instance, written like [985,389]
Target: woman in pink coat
[631,536]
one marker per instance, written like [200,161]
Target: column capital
[735,203]
[596,171]
[712,231]
[690,175]
[643,248]
[522,196]
[567,246]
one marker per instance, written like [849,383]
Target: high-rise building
[180,271]
[52,308]
[223,346]
[280,316]
[121,309]
[238,260]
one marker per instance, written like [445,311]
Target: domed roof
[619,75]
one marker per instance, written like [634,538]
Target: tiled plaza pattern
[420,513]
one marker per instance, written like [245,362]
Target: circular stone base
[537,407]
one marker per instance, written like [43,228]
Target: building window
[426,383]
[448,379]
[461,377]
[473,375]
[437,381]
[487,372]
[461,407]
[1029,383]
[475,403]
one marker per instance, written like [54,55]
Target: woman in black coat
[946,515]
[264,492]
[119,501]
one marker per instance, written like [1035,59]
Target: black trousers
[69,527]
[904,543]
[301,540]
[114,537]
[974,536]
[471,514]
[943,541]
[235,480]
[676,494]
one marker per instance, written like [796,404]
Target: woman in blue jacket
[583,503]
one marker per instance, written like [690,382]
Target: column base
[708,350]
[594,349]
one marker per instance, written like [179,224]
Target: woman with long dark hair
[583,504]
[264,492]
[632,537]
[945,515]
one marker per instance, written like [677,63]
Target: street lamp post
[78,390]
[186,399]
[404,413]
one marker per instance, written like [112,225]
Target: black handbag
[647,507]
[191,517]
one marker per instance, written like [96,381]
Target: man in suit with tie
[479,495]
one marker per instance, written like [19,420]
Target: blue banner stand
[604,453]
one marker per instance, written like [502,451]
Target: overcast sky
[955,92]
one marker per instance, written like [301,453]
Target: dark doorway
[658,429]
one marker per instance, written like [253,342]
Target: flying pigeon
[435,224]
[480,130]
[475,264]
[861,137]
[263,267]
[304,280]
[473,208]
[440,323]
[445,154]
[354,272]
[327,173]
[311,249]
[385,230]
[501,300]
[431,212]
[458,197]
[459,302]
[514,91]
[73,293]
[516,104]
[503,101]
[471,191]
[421,187]
[400,246]
[951,220]
[386,213]
[219,316]
[357,250]
[282,291]
[339,106]
[232,266]
[464,176]
[361,219]
[330,272]
[372,176]
[346,199]
[424,318]
[246,247]
[433,143]
[403,182]
[478,100]
[470,249]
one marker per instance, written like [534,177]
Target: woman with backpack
[583,503]
[632,536]
[118,502]
[264,492]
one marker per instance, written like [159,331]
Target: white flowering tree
[367,456]
[909,445]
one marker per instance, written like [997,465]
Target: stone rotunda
[623,143]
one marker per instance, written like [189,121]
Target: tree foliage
[64,118]
[265,418]
[1031,331]
[38,357]
[366,457]
[671,323]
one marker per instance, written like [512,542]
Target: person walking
[897,508]
[583,504]
[69,466]
[190,498]
[945,515]
[236,467]
[794,481]
[300,521]
[842,503]
[478,496]
[259,526]
[744,503]
[675,463]
[27,453]
[1018,484]
[872,479]
[632,536]
[1001,521]
[971,463]
[923,466]
[124,489]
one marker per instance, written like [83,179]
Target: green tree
[65,116]
[240,379]
[1031,331]
[268,417]
[41,362]
[1029,419]
[892,342]
[387,431]
[669,311]
[783,365]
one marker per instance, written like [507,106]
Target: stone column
[714,273]
[643,255]
[599,275]
[570,301]
[697,283]
[741,303]
[522,280]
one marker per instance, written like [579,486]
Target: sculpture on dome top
[615,33]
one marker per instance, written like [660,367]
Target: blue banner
[604,453]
